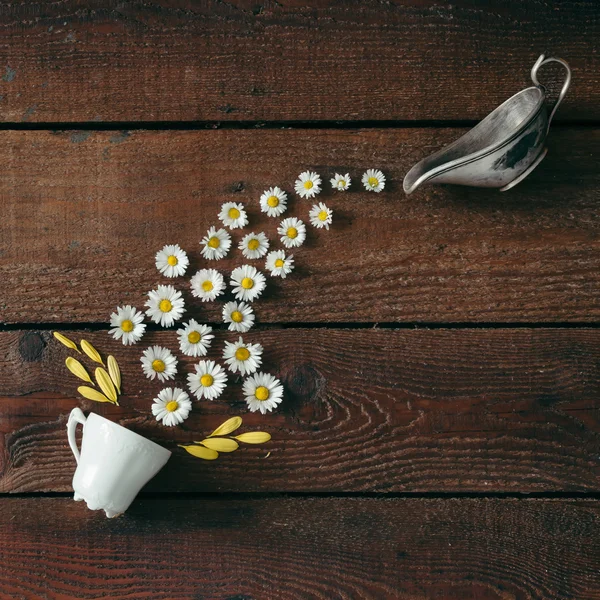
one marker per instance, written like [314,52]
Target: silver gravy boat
[501,150]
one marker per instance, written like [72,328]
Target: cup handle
[75,418]
[540,62]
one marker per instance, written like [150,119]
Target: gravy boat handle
[540,62]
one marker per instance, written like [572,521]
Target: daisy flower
[279,264]
[341,182]
[159,362]
[373,180]
[127,325]
[172,406]
[263,392]
[215,244]
[247,283]
[165,305]
[320,216]
[208,381]
[292,232]
[245,358]
[239,316]
[207,284]
[172,261]
[273,202]
[308,185]
[194,339]
[254,245]
[233,215]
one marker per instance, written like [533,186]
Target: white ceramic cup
[114,463]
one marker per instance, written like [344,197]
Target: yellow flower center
[273,201]
[165,305]
[323,216]
[158,365]
[373,181]
[194,337]
[342,183]
[127,325]
[308,185]
[207,286]
[172,406]
[207,380]
[253,244]
[237,316]
[172,260]
[247,283]
[279,263]
[234,213]
[292,232]
[214,242]
[261,393]
[242,354]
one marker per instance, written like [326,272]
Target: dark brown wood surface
[85,212]
[305,60]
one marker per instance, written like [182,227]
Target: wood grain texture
[309,548]
[307,60]
[364,410]
[85,212]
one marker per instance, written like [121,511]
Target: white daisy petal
[207,284]
[233,215]
[165,305]
[215,244]
[263,392]
[127,325]
[320,216]
[341,182]
[247,283]
[373,180]
[254,245]
[308,184]
[279,264]
[273,202]
[159,362]
[208,381]
[172,261]
[242,357]
[239,316]
[172,406]
[194,339]
[292,232]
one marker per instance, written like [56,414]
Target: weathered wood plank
[364,410]
[310,548]
[309,60]
[83,215]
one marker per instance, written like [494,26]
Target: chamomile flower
[172,406]
[254,245]
[263,392]
[127,325]
[308,185]
[341,182]
[239,316]
[373,180]
[207,284]
[233,215]
[208,381]
[165,305]
[215,244]
[242,357]
[292,232]
[194,339]
[159,362]
[172,261]
[320,216]
[279,264]
[273,202]
[247,283]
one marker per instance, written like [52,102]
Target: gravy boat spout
[501,150]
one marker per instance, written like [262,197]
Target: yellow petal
[227,427]
[201,452]
[92,394]
[66,341]
[254,437]
[106,385]
[220,444]
[114,372]
[91,351]
[78,369]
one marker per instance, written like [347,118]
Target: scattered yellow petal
[201,452]
[254,437]
[220,444]
[268,454]
[66,341]
[78,369]
[114,372]
[92,394]
[227,427]
[91,351]
[106,384]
